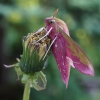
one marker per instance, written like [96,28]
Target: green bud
[33,52]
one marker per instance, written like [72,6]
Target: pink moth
[66,51]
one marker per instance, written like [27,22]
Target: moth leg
[43,28]
[50,47]
[43,36]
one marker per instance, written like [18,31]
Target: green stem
[27,91]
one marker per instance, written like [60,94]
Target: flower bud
[33,52]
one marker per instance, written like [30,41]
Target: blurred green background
[19,17]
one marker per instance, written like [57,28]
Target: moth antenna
[49,47]
[55,13]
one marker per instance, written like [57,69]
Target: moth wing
[59,52]
[79,59]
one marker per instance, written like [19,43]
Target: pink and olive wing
[78,57]
[59,51]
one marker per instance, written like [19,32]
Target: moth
[66,51]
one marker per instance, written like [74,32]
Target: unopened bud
[33,52]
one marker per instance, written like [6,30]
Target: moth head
[51,20]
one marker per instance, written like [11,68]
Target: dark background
[19,17]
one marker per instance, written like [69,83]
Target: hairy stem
[27,91]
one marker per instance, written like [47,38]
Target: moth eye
[51,21]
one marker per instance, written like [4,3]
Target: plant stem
[27,91]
